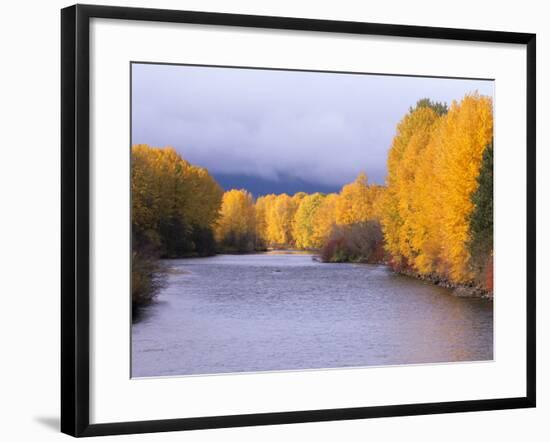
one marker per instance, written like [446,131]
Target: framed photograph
[272,220]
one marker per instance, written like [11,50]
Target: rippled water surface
[285,311]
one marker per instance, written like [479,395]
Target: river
[285,311]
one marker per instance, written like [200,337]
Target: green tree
[438,107]
[481,220]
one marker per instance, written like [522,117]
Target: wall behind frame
[29,233]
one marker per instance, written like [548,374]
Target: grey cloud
[323,128]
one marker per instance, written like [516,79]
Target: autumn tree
[412,137]
[466,132]
[297,198]
[236,228]
[304,222]
[263,206]
[174,208]
[357,201]
[376,197]
[174,203]
[324,219]
[280,217]
[433,169]
[424,217]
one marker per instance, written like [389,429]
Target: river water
[285,311]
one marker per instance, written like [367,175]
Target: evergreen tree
[438,107]
[481,220]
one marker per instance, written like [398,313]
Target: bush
[147,274]
[360,242]
[488,274]
[175,238]
[147,279]
[203,240]
[236,242]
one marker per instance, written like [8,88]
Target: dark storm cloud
[319,127]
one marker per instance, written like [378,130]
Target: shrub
[147,279]
[360,242]
[488,274]
[147,274]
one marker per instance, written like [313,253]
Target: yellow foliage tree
[358,202]
[298,197]
[433,166]
[280,216]
[236,228]
[324,219]
[205,198]
[412,137]
[424,209]
[263,205]
[376,197]
[425,219]
[172,200]
[304,221]
[174,208]
[466,132]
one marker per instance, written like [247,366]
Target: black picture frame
[75,211]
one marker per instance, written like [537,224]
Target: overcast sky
[260,128]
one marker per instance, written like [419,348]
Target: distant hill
[260,186]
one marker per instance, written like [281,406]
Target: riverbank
[459,290]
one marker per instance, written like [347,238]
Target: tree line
[433,217]
[438,209]
[301,221]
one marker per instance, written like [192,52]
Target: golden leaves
[236,227]
[165,186]
[306,221]
[425,208]
[433,165]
